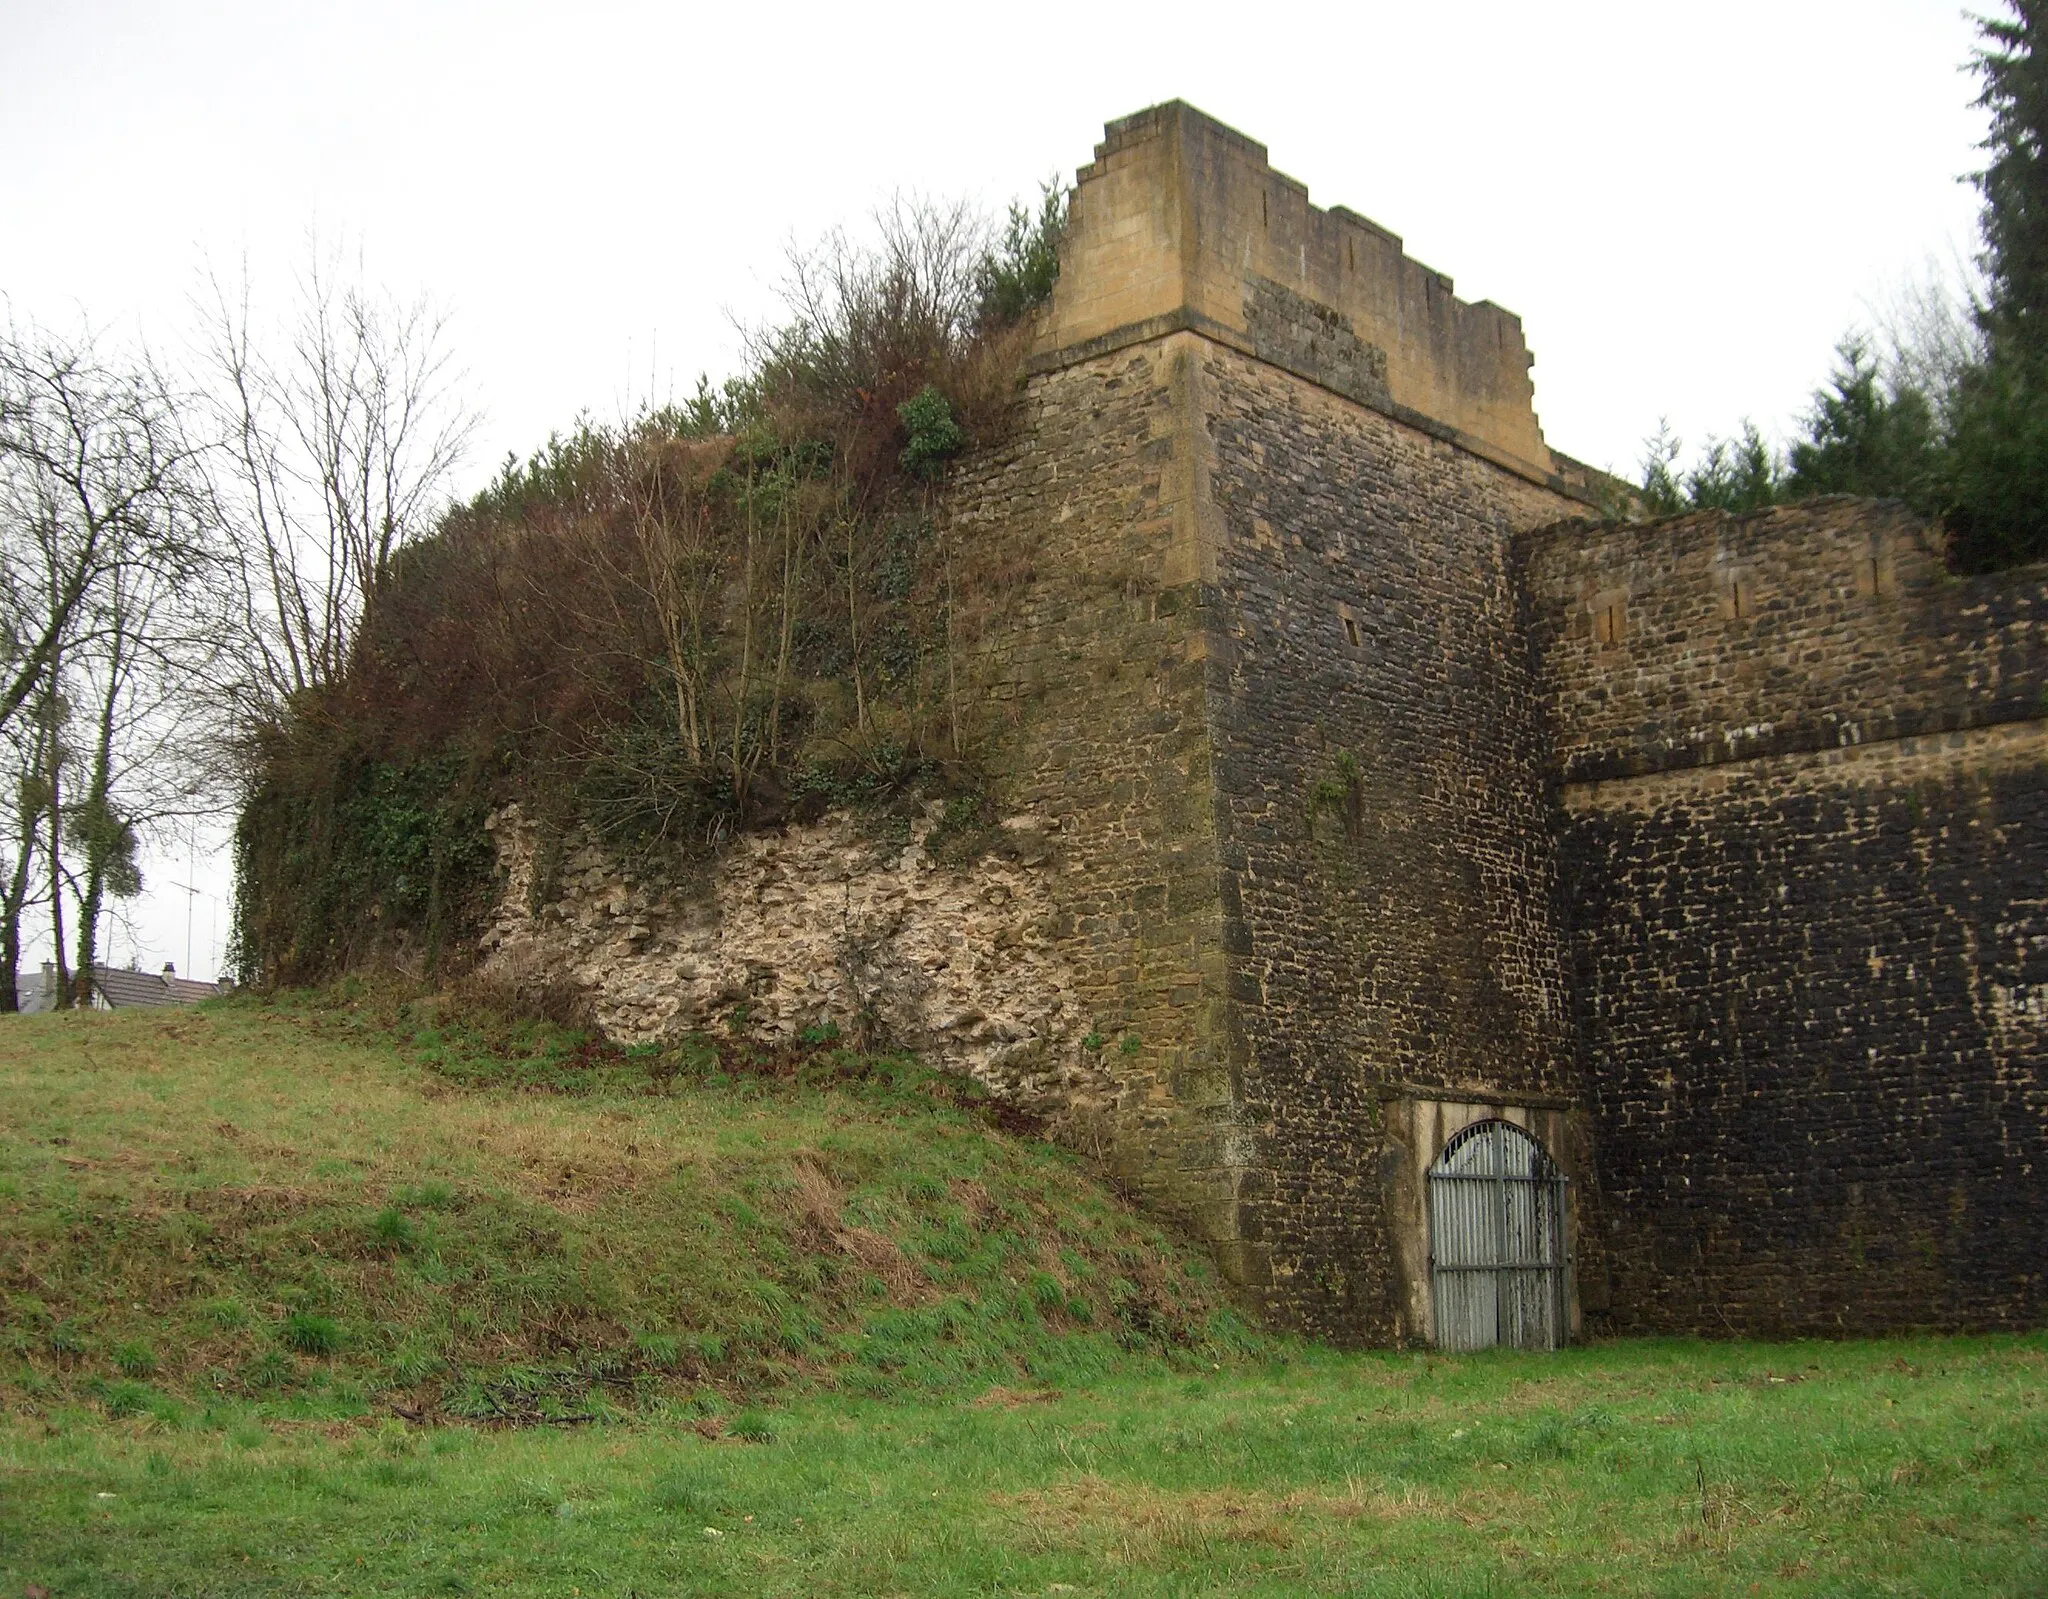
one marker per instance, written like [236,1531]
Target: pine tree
[2015,183]
[1998,499]
[1868,433]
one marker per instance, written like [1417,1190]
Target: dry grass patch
[1002,1398]
[1137,1522]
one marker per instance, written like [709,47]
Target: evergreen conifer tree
[1867,435]
[1998,493]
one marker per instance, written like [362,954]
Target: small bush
[753,1426]
[127,1399]
[391,1229]
[311,1335]
[934,437]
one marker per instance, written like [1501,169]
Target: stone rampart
[1358,794]
[1804,837]
[1708,638]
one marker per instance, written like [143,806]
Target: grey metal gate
[1496,1241]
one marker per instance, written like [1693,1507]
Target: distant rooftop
[115,988]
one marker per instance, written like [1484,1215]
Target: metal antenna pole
[191,893]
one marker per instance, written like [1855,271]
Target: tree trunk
[27,816]
[10,930]
[739,703]
[54,812]
[94,897]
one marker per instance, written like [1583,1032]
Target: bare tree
[862,317]
[89,454]
[334,453]
[96,509]
[1927,331]
[676,538]
[144,683]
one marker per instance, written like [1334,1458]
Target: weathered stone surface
[1096,682]
[1367,634]
[819,924]
[1806,860]
[1711,638]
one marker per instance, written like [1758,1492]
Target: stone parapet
[1708,638]
[1181,223]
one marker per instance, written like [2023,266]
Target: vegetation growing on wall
[727,613]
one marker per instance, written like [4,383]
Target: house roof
[190,991]
[119,987]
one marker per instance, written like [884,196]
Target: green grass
[354,1298]
[355,1203]
[1914,1467]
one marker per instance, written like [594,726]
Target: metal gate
[1496,1241]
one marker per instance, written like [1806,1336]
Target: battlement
[1182,223]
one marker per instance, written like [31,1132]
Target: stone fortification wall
[1258,500]
[1254,424]
[1241,575]
[1094,680]
[1804,834]
[1403,946]
[1712,637]
[1343,810]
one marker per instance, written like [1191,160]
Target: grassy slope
[327,1206]
[970,1403]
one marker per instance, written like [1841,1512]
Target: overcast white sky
[1686,203]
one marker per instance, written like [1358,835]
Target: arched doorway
[1496,1242]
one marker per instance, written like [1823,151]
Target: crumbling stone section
[819,924]
[1804,856]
